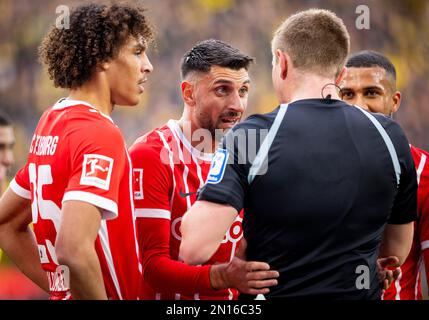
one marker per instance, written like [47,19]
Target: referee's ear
[188,93]
[341,76]
[283,60]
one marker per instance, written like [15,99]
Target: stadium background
[398,28]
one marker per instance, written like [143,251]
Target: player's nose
[147,66]
[237,103]
[361,103]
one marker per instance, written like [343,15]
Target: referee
[326,188]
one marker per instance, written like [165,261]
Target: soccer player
[370,83]
[7,140]
[171,163]
[327,183]
[76,186]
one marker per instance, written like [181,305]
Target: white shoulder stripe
[170,157]
[20,191]
[153,213]
[421,167]
[266,145]
[387,141]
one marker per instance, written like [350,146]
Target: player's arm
[164,274]
[398,234]
[18,240]
[75,249]
[421,159]
[87,201]
[397,241]
[200,239]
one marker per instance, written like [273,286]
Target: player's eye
[138,52]
[243,91]
[222,90]
[371,93]
[345,94]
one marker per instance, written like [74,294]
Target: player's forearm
[397,241]
[426,263]
[169,276]
[21,248]
[86,280]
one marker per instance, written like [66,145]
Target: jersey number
[48,210]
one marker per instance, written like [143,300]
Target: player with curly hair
[76,185]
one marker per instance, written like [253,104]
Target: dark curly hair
[96,34]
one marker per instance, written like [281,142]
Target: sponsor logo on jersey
[186,194]
[218,166]
[96,171]
[138,184]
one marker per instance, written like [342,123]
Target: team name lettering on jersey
[96,171]
[44,145]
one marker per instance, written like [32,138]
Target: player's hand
[241,250]
[250,277]
[386,275]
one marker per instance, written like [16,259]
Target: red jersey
[407,286]
[77,153]
[168,171]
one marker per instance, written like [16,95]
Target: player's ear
[188,93]
[104,66]
[341,76]
[396,101]
[283,59]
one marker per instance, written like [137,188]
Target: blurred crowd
[398,28]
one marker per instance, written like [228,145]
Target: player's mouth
[141,85]
[231,118]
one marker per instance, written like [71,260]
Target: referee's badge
[218,166]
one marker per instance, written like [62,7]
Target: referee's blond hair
[316,40]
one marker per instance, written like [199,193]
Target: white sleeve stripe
[420,168]
[425,245]
[153,213]
[110,207]
[20,191]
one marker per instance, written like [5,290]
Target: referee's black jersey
[316,204]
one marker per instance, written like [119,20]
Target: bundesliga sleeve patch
[218,166]
[138,184]
[96,171]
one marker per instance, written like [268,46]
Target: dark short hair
[95,35]
[208,53]
[370,59]
[5,121]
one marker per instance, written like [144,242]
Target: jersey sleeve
[20,185]
[227,179]
[421,160]
[163,274]
[404,208]
[152,189]
[97,161]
